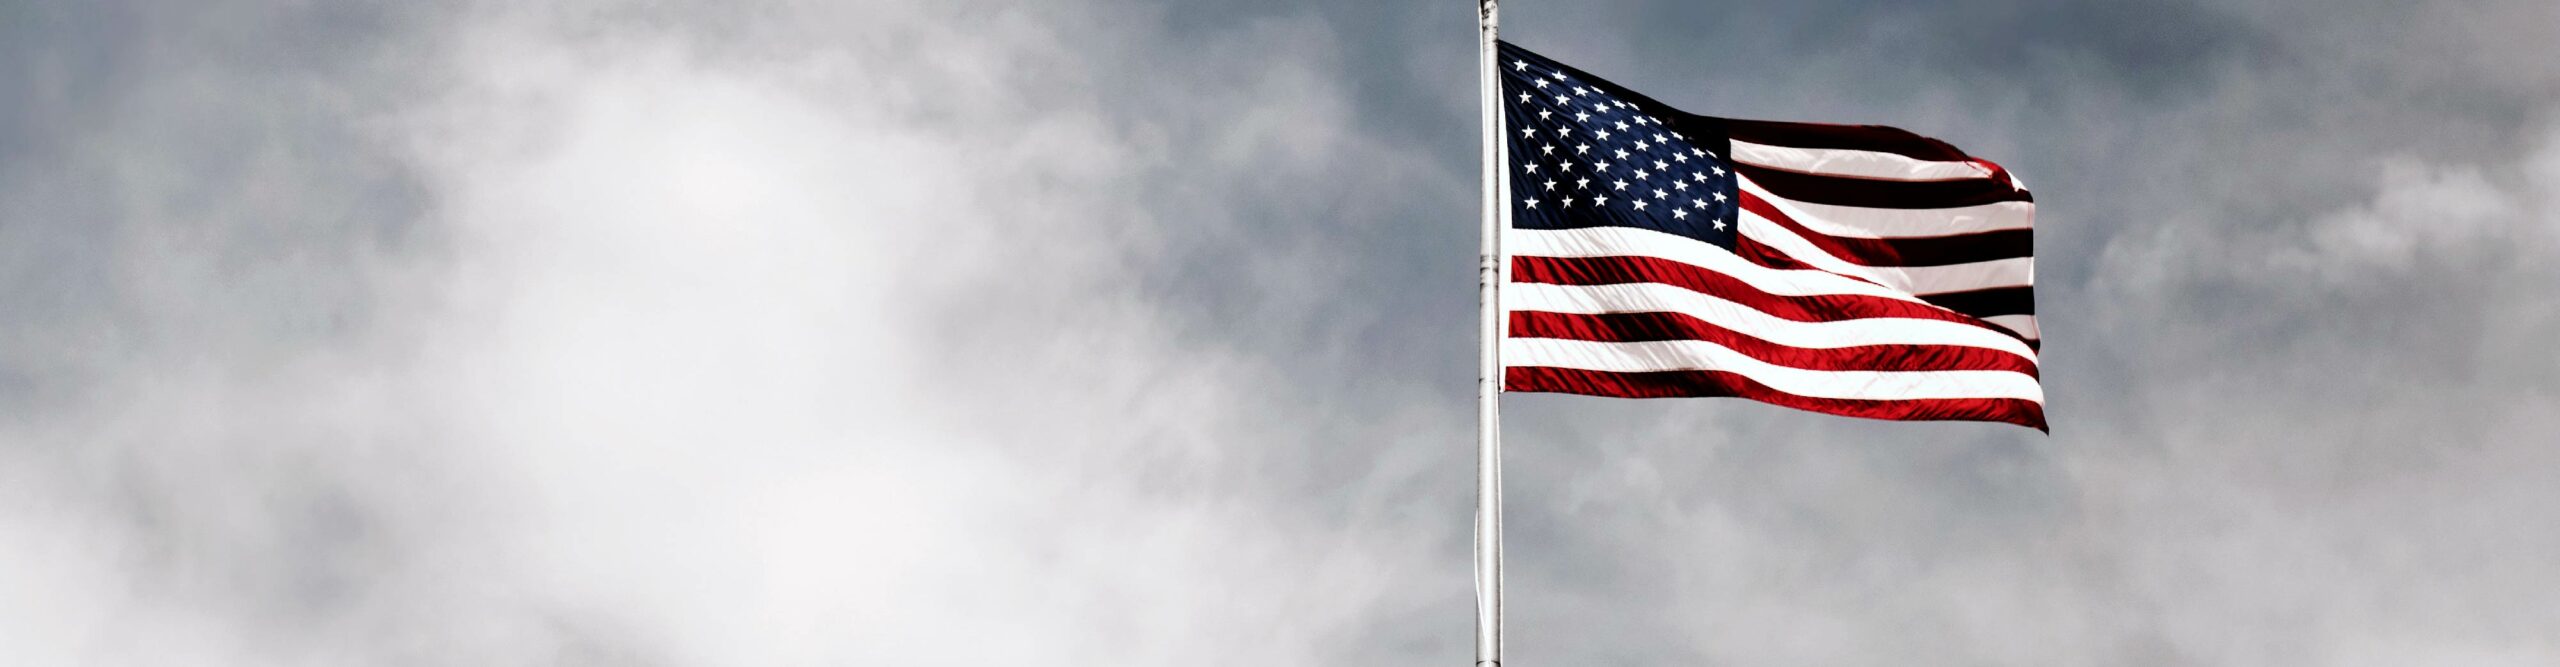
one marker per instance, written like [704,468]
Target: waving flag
[1847,269]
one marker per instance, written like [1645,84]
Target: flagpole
[1488,547]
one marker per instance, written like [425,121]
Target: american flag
[1847,269]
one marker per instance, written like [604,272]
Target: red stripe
[1677,384]
[2014,300]
[1642,327]
[1764,255]
[1913,251]
[1636,269]
[1877,138]
[2019,300]
[1777,259]
[1879,193]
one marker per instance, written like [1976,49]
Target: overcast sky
[1106,332]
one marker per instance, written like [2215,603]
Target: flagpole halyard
[1488,533]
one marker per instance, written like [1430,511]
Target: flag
[1855,270]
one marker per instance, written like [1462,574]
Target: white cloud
[977,332]
[783,356]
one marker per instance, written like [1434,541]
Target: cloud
[1103,333]
[836,347]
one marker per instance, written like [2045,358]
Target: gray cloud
[1106,333]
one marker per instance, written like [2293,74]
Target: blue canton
[1587,153]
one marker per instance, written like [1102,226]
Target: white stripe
[2011,272]
[1743,319]
[1854,163]
[1886,223]
[1698,355]
[1637,242]
[2025,325]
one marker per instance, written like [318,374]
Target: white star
[1678,214]
[1566,165]
[1719,171]
[1622,154]
[1582,183]
[1682,186]
[1599,200]
[1657,138]
[1603,132]
[1639,204]
[1658,164]
[1560,75]
[1533,167]
[1540,83]
[1528,132]
[1641,145]
[1622,125]
[1640,174]
[1697,203]
[1549,149]
[1697,152]
[1702,178]
[1719,197]
[1533,203]
[1552,185]
[1582,115]
[1579,91]
[1585,148]
[1658,194]
[1564,131]
[1719,225]
[1622,185]
[1568,201]
[1601,165]
[1543,114]
[1518,65]
[1682,158]
[1560,99]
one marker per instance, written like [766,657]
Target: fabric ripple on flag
[1846,269]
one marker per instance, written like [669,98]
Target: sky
[1109,332]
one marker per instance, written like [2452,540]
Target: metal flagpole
[1489,357]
